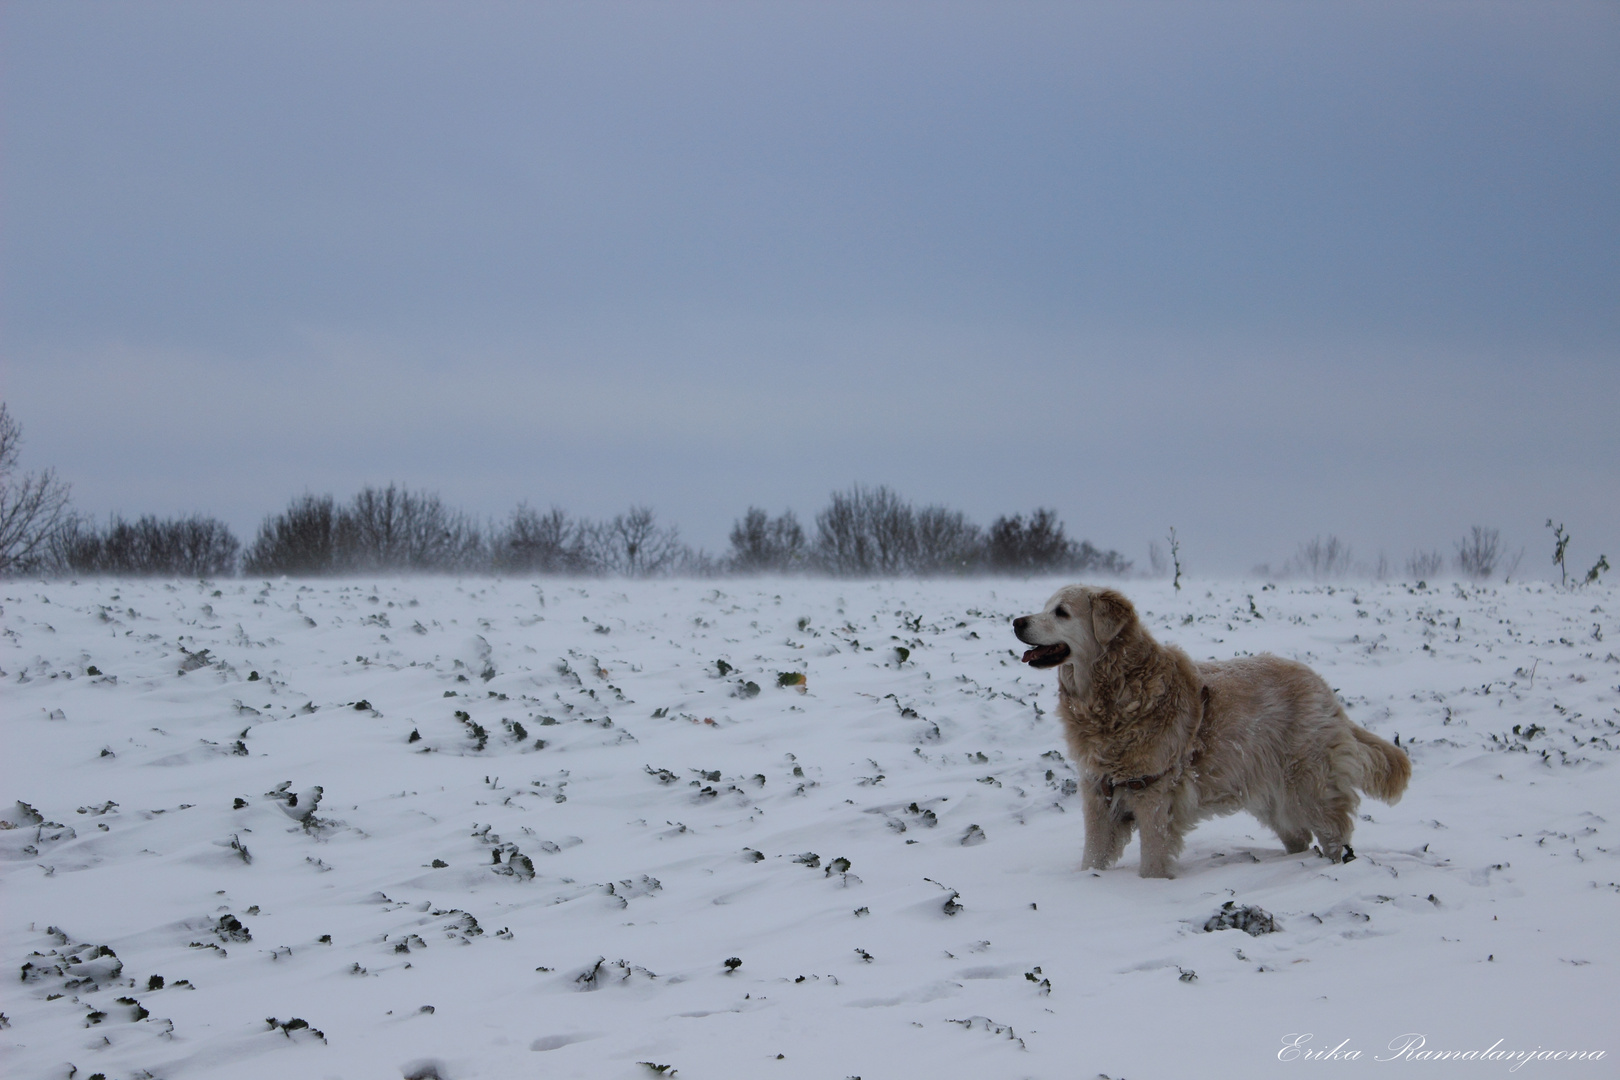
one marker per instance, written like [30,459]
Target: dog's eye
[1062,612]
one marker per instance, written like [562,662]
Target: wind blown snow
[783,828]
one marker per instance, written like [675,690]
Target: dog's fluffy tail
[1385,767]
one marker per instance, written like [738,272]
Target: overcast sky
[1260,271]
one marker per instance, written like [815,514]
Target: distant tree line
[872,532]
[862,532]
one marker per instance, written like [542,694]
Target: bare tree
[395,529]
[1477,552]
[1040,545]
[1014,546]
[762,545]
[194,546]
[301,540]
[1093,560]
[866,531]
[632,544]
[1321,559]
[1423,565]
[945,542]
[32,506]
[532,542]
[382,529]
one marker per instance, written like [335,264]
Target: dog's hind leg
[1333,822]
[1332,813]
[1294,836]
[1107,830]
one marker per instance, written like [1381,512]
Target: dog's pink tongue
[1042,653]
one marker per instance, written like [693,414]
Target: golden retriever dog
[1163,743]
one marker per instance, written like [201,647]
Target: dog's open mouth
[1047,655]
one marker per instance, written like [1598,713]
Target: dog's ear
[1110,613]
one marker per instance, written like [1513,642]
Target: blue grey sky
[1257,270]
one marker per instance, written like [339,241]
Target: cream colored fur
[1163,742]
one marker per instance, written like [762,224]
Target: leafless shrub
[761,545]
[865,531]
[33,507]
[1424,565]
[1014,546]
[1321,560]
[697,563]
[536,543]
[1477,553]
[393,529]
[194,546]
[1093,560]
[944,542]
[871,531]
[381,530]
[299,541]
[632,544]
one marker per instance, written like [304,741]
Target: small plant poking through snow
[1251,920]
[475,730]
[989,1026]
[602,974]
[1175,558]
[1560,545]
[287,1027]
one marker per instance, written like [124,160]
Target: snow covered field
[515,829]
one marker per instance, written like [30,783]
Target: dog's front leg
[1107,830]
[1161,842]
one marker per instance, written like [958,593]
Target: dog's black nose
[1019,624]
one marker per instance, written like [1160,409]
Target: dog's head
[1077,624]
